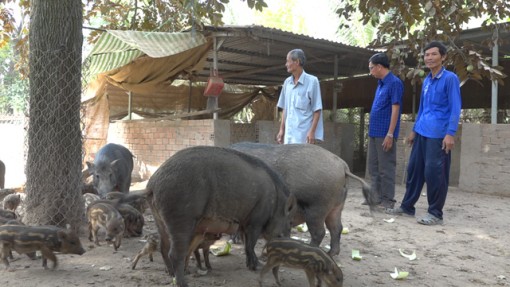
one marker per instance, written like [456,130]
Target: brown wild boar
[47,239]
[102,214]
[296,254]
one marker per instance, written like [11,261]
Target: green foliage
[280,18]
[13,89]
[139,15]
[404,28]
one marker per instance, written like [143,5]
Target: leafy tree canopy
[140,15]
[404,28]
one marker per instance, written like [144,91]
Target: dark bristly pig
[47,239]
[111,169]
[317,178]
[2,174]
[207,189]
[316,263]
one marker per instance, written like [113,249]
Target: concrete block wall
[485,159]
[243,132]
[404,151]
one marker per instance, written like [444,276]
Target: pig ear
[90,166]
[114,162]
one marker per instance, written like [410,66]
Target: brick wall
[154,141]
[485,159]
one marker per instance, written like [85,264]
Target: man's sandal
[430,219]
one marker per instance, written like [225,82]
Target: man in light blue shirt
[301,102]
[432,138]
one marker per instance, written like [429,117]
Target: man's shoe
[398,211]
[430,219]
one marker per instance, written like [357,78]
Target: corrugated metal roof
[255,55]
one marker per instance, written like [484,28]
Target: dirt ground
[468,250]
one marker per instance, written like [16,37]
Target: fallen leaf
[221,251]
[302,227]
[398,275]
[356,255]
[408,256]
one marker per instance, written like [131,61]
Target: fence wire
[53,141]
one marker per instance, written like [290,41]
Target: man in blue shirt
[301,102]
[383,130]
[432,138]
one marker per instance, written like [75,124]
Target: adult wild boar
[207,189]
[2,174]
[317,178]
[111,169]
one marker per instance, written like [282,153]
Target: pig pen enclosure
[470,249]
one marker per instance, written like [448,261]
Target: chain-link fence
[44,147]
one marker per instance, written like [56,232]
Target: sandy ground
[470,249]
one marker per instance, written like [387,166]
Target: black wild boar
[207,189]
[296,254]
[102,214]
[47,239]
[317,178]
[111,169]
[2,174]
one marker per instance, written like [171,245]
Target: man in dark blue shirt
[383,130]
[432,138]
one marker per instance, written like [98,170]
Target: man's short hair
[298,54]
[436,44]
[380,59]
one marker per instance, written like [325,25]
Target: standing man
[301,102]
[432,138]
[383,130]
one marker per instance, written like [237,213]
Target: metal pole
[215,67]
[335,87]
[189,98]
[495,62]
[130,99]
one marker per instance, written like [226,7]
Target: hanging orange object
[214,85]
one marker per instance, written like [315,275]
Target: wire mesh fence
[43,148]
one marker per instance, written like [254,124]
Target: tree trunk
[54,137]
